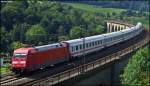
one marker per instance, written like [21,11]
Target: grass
[4,70]
[95,9]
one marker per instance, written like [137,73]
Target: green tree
[137,71]
[36,35]
[13,13]
[99,29]
[63,38]
[16,32]
[61,31]
[4,40]
[16,45]
[75,32]
[113,14]
[108,15]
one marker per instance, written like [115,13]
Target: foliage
[99,30]
[36,34]
[16,45]
[76,32]
[137,71]
[5,39]
[4,69]
[63,38]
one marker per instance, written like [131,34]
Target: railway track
[6,74]
[10,79]
[44,75]
[5,78]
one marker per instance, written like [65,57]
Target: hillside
[115,13]
[132,5]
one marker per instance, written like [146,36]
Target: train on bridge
[37,57]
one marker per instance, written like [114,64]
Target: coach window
[86,45]
[100,42]
[80,46]
[108,39]
[76,48]
[97,43]
[92,43]
[72,48]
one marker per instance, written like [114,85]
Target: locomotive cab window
[20,55]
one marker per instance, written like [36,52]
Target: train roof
[92,38]
[23,50]
[45,47]
[81,39]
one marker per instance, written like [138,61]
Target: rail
[90,66]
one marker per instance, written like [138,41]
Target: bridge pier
[113,73]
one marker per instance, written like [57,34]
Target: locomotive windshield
[20,55]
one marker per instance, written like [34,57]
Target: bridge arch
[113,26]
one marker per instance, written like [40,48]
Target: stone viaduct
[113,26]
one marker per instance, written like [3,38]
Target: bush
[137,71]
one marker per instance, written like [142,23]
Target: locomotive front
[19,60]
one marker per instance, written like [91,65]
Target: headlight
[14,62]
[22,62]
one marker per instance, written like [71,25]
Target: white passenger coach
[78,47]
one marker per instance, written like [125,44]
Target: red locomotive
[32,58]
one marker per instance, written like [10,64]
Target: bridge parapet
[113,26]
